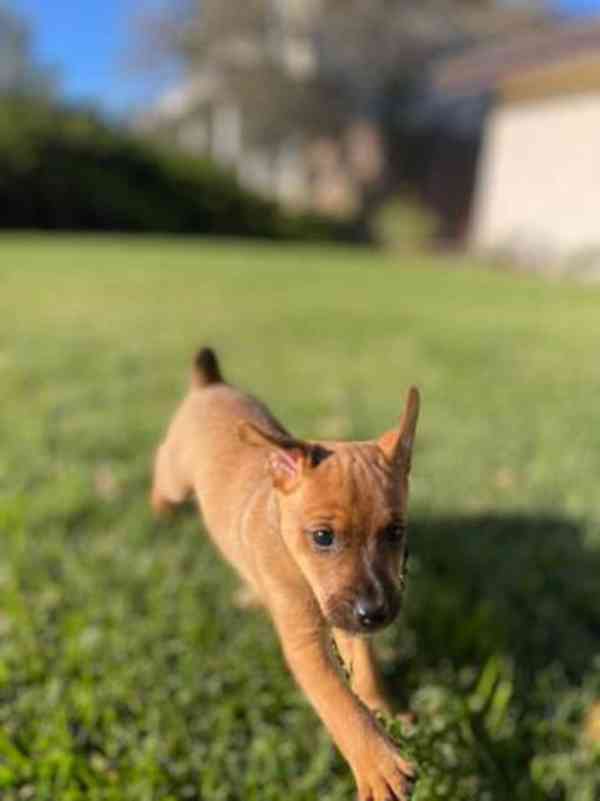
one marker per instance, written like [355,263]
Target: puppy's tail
[206,369]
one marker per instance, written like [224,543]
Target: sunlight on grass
[125,672]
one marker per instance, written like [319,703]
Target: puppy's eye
[323,538]
[393,535]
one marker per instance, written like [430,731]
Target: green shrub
[62,169]
[404,225]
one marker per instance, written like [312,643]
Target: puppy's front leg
[381,773]
[359,660]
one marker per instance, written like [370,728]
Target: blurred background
[344,198]
[381,122]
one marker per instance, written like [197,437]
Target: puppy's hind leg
[168,489]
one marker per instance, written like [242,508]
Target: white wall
[539,180]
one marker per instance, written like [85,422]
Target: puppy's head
[343,517]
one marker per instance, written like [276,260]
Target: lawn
[126,673]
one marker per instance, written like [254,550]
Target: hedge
[67,169]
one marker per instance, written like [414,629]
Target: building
[535,188]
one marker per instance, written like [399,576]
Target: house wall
[538,186]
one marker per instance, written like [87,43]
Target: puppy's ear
[397,444]
[288,457]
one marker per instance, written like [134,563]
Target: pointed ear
[288,457]
[397,444]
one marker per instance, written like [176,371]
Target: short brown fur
[269,502]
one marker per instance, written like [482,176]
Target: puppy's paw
[382,774]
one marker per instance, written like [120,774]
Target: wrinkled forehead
[353,487]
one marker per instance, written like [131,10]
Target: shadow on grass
[524,586]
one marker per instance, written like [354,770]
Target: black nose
[370,613]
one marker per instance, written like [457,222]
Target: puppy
[317,530]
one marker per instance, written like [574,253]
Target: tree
[302,70]
[20,73]
[312,65]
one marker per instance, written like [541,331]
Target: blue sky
[580,6]
[88,39]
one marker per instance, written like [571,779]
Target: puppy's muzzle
[364,613]
[371,613]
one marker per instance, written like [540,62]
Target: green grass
[125,671]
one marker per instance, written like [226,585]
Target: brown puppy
[317,531]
